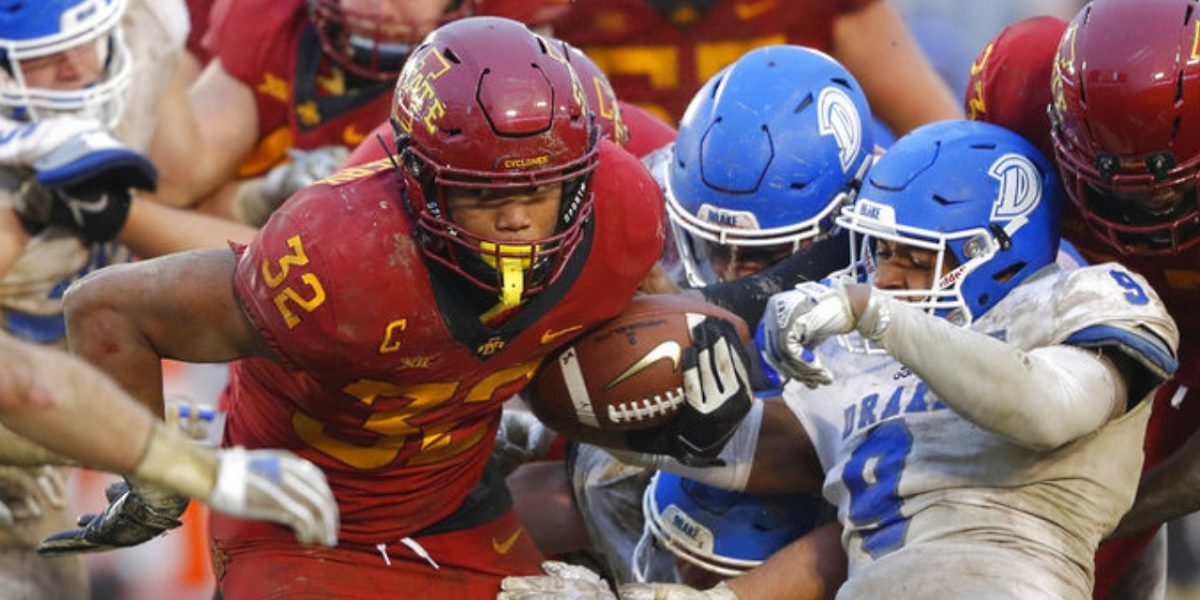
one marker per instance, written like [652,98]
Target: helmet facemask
[96,22]
[370,44]
[956,256]
[514,270]
[1115,204]
[978,198]
[722,532]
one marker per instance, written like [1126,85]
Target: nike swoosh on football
[669,350]
[551,335]
[507,544]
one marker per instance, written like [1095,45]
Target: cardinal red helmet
[601,99]
[374,42]
[1009,83]
[1126,122]
[486,103]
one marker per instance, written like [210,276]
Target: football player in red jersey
[384,314]
[1122,128]
[297,82]
[659,52]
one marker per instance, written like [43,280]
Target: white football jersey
[31,291]
[933,505]
[155,31]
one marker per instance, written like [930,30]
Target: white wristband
[230,490]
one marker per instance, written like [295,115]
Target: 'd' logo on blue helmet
[837,117]
[1020,187]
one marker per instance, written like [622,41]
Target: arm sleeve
[1040,399]
[747,297]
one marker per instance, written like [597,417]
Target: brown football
[626,374]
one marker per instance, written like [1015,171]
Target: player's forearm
[12,238]
[126,318]
[102,331]
[903,88]
[74,411]
[1040,399]
[811,568]
[1166,492]
[69,409]
[153,230]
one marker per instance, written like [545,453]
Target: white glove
[257,199]
[673,591]
[560,582]
[303,168]
[278,486]
[22,143]
[799,320]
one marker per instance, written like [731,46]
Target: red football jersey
[1175,416]
[1010,86]
[647,132]
[658,58]
[386,379]
[304,100]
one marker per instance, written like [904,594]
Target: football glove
[674,591]
[717,395]
[561,581]
[258,198]
[276,486]
[132,517]
[84,184]
[799,320]
[522,438]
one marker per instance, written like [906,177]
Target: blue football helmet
[767,152]
[981,197]
[31,30]
[727,533]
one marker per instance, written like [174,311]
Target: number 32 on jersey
[313,292]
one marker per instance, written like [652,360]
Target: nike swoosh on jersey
[506,545]
[550,335]
[669,350]
[748,10]
[352,136]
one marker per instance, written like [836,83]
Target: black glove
[718,395]
[130,519]
[96,212]
[84,184]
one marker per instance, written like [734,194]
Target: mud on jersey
[392,385]
[929,501]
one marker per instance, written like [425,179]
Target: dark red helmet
[375,43]
[1126,122]
[486,103]
[1009,83]
[601,99]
